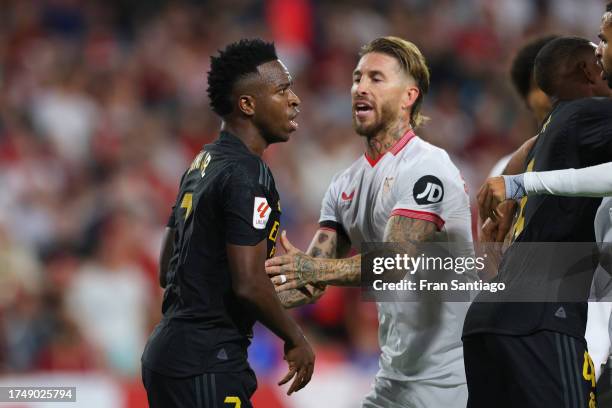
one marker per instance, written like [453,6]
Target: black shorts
[545,370]
[208,390]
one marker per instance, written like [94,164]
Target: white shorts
[388,393]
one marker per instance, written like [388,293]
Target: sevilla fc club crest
[261,212]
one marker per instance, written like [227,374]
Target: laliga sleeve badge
[261,212]
[428,190]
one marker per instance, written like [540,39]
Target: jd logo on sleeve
[428,190]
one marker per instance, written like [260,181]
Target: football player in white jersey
[402,190]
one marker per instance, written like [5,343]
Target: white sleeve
[594,181]
[329,204]
[420,195]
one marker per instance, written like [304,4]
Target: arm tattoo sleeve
[407,233]
[408,230]
[323,245]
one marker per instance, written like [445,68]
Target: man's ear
[587,71]
[410,96]
[246,104]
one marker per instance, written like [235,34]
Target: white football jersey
[419,341]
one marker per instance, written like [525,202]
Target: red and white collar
[395,149]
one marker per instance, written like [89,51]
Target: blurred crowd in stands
[103,105]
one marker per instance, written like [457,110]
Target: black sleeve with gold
[227,195]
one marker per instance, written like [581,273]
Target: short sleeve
[172,219]
[328,206]
[246,209]
[421,195]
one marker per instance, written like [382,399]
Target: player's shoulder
[595,106]
[346,175]
[422,155]
[251,170]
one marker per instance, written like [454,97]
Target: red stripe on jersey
[420,215]
[395,149]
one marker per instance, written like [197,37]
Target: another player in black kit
[534,354]
[222,228]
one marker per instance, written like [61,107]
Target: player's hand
[301,360]
[505,216]
[488,231]
[490,195]
[293,270]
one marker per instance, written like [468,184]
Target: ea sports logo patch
[261,212]
[428,190]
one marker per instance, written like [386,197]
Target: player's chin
[361,128]
[282,136]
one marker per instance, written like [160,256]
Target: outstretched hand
[293,270]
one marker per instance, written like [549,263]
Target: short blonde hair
[412,62]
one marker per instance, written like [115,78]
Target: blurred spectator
[109,298]
[102,107]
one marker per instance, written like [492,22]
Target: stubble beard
[387,118]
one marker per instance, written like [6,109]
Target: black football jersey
[576,134]
[227,195]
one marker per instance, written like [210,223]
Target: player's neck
[385,139]
[248,134]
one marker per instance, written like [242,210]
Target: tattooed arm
[299,269]
[325,244]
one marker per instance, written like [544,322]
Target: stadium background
[103,105]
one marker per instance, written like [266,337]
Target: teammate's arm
[299,269]
[167,248]
[516,165]
[326,243]
[497,220]
[252,286]
[594,181]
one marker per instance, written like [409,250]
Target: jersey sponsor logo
[428,190]
[261,212]
[348,197]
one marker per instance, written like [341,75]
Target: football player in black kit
[223,227]
[534,354]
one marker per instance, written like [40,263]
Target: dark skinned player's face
[276,105]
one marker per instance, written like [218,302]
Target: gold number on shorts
[592,403]
[588,369]
[233,400]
